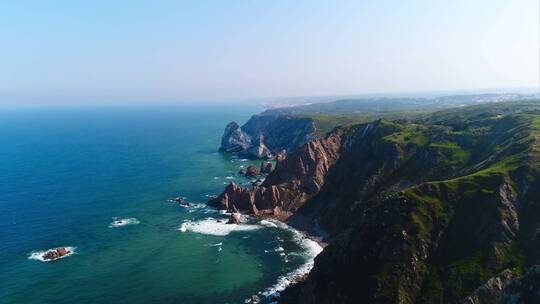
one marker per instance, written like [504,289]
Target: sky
[196,51]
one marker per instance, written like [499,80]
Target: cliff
[264,136]
[415,212]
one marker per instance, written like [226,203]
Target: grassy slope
[491,148]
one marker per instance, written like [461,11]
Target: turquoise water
[66,173]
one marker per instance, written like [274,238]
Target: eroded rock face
[508,288]
[264,136]
[491,291]
[295,178]
[234,140]
[525,289]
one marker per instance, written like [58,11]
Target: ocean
[67,174]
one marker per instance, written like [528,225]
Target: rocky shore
[407,218]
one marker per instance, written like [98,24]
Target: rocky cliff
[264,136]
[433,211]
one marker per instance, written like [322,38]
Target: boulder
[252,171]
[62,251]
[55,253]
[51,255]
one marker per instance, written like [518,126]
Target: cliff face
[414,212]
[295,178]
[264,136]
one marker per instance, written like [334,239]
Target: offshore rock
[55,253]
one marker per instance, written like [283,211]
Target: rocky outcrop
[525,289]
[56,253]
[234,218]
[295,178]
[509,288]
[234,139]
[264,136]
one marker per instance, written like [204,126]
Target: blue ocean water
[67,173]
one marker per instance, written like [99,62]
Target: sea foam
[123,222]
[310,250]
[211,226]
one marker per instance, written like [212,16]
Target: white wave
[279,249]
[270,222]
[123,222]
[267,223]
[38,255]
[213,226]
[310,250]
[243,160]
[216,244]
[229,177]
[183,228]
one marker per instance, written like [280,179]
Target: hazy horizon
[204,51]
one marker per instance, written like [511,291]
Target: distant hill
[382,106]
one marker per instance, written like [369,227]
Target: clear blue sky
[137,51]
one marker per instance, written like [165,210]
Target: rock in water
[252,171]
[56,253]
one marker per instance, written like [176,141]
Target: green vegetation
[444,202]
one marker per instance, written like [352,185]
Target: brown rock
[294,179]
[51,255]
[252,171]
[62,251]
